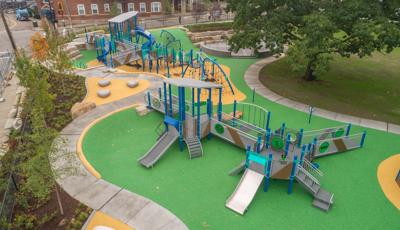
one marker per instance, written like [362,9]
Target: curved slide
[245,191]
[159,148]
[139,31]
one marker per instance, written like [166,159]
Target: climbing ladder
[194,147]
[322,198]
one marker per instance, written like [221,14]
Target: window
[119,6]
[142,7]
[106,7]
[95,8]
[155,7]
[81,9]
[131,6]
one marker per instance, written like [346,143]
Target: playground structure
[284,154]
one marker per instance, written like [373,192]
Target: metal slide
[159,148]
[245,191]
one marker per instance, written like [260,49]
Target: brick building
[82,11]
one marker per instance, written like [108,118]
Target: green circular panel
[219,128]
[277,143]
[323,147]
[339,132]
[187,108]
[293,136]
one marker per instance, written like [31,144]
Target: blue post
[220,105]
[283,129]
[247,156]
[268,174]
[159,93]
[180,103]
[209,104]
[268,120]
[149,99]
[170,99]
[309,151]
[348,129]
[259,144]
[300,138]
[192,102]
[363,138]
[234,109]
[287,145]
[198,114]
[292,174]
[183,104]
[267,137]
[303,151]
[165,99]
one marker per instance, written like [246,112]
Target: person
[180,19]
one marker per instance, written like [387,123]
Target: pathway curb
[251,78]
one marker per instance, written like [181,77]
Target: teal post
[220,105]
[183,104]
[303,151]
[165,99]
[268,119]
[292,175]
[283,129]
[246,164]
[267,138]
[268,174]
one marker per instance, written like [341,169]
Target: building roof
[123,17]
[191,83]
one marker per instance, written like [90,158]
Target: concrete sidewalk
[251,77]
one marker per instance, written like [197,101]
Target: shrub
[210,27]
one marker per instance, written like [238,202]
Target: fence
[8,200]
[6,63]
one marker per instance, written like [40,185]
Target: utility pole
[8,32]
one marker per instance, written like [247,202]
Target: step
[321,205]
[324,196]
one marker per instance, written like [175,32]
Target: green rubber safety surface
[196,190]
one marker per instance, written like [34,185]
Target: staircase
[322,198]
[194,147]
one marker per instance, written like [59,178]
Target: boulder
[132,83]
[104,82]
[103,93]
[81,108]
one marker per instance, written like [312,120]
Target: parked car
[22,14]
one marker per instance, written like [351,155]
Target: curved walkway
[251,77]
[136,211]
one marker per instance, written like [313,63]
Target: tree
[114,11]
[315,30]
[199,7]
[166,7]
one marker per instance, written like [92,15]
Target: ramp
[159,148]
[245,191]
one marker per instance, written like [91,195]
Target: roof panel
[123,17]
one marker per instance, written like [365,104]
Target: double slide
[159,148]
[245,191]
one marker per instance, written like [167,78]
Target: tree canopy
[314,30]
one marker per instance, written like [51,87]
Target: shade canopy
[123,17]
[191,83]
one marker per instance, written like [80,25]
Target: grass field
[368,87]
[196,190]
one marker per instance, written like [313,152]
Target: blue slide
[139,31]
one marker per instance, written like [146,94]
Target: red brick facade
[89,11]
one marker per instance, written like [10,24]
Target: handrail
[258,129]
[310,132]
[308,164]
[238,130]
[315,180]
[337,138]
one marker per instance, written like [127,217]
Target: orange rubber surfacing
[387,171]
[118,89]
[100,219]
[227,96]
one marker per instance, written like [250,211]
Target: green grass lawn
[368,87]
[196,190]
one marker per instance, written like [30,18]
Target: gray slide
[159,148]
[245,191]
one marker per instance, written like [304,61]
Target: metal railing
[310,168]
